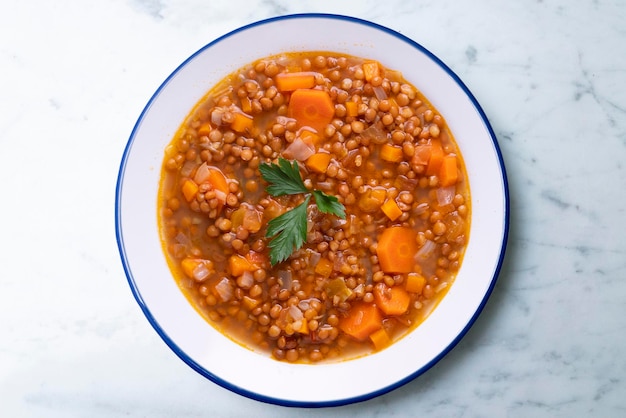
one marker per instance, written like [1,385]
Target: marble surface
[548,73]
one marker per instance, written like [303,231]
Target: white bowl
[229,364]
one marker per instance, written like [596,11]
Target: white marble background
[550,74]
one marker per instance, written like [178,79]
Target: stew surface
[363,231]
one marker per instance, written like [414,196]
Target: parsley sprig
[288,231]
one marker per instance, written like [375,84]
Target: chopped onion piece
[182,239]
[202,174]
[304,305]
[285,278]
[224,289]
[339,261]
[380,93]
[375,134]
[314,258]
[283,120]
[426,250]
[252,218]
[421,208]
[201,272]
[325,186]
[216,116]
[299,150]
[339,223]
[353,226]
[220,195]
[187,168]
[445,195]
[246,280]
[405,183]
[295,313]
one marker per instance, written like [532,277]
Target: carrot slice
[309,137]
[448,174]
[415,283]
[396,249]
[197,268]
[436,158]
[242,122]
[239,264]
[391,209]
[324,267]
[313,108]
[190,188]
[372,199]
[371,69]
[391,153]
[380,339]
[204,129]
[295,81]
[352,109]
[246,104]
[391,300]
[362,320]
[318,162]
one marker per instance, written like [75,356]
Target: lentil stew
[354,131]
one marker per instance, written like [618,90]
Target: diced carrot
[257,259]
[294,81]
[372,199]
[189,189]
[303,328]
[197,268]
[396,249]
[324,267]
[239,264]
[436,158]
[380,339]
[415,283]
[242,122]
[448,174]
[391,300]
[362,320]
[352,109]
[246,104]
[391,153]
[189,265]
[204,129]
[309,136]
[371,69]
[313,108]
[391,209]
[318,162]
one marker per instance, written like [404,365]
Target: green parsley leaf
[289,232]
[284,178]
[329,204]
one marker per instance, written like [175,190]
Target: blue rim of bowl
[277,400]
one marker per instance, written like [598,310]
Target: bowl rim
[277,400]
